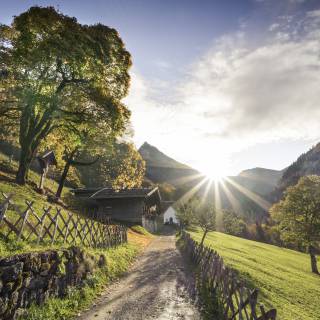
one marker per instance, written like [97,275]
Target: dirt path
[152,289]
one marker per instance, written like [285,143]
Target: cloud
[237,96]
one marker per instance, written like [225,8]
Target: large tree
[56,71]
[298,215]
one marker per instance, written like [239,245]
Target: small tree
[185,214]
[205,218]
[299,216]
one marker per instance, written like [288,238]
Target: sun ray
[206,191]
[191,192]
[264,204]
[217,205]
[186,179]
[232,199]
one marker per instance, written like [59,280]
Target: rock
[33,277]
[8,287]
[19,313]
[37,283]
[3,305]
[8,261]
[11,273]
[32,264]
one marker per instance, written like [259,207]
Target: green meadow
[282,276]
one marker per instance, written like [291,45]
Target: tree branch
[80,163]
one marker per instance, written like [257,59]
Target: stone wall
[33,277]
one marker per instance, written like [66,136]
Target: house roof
[165,205]
[110,193]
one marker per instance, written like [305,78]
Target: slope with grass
[283,276]
[21,194]
[8,169]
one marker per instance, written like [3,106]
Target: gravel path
[152,289]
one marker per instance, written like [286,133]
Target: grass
[27,192]
[21,194]
[283,276]
[118,259]
[9,248]
[141,230]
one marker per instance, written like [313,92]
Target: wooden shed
[131,206]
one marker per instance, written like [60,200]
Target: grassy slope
[283,276]
[22,194]
[27,192]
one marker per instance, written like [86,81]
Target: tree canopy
[57,73]
[122,167]
[298,215]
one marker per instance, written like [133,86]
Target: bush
[234,225]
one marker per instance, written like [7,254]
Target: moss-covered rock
[34,277]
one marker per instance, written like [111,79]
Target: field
[283,276]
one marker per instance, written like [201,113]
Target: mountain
[162,169]
[175,179]
[306,164]
[155,158]
[260,180]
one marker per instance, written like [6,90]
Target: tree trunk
[63,177]
[203,237]
[24,165]
[314,267]
[71,162]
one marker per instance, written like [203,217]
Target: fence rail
[236,300]
[54,225]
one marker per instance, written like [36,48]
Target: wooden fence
[54,225]
[236,301]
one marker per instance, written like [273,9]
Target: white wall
[170,213]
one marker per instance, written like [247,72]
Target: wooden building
[131,206]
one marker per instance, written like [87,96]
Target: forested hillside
[306,164]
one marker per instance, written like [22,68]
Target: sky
[221,85]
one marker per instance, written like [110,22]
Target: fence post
[67,228]
[236,299]
[4,206]
[25,218]
[56,219]
[46,211]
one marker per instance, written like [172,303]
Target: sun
[215,173]
[214,168]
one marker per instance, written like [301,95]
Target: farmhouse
[170,216]
[130,206]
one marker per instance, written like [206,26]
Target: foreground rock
[33,277]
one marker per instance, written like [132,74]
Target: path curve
[154,288]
